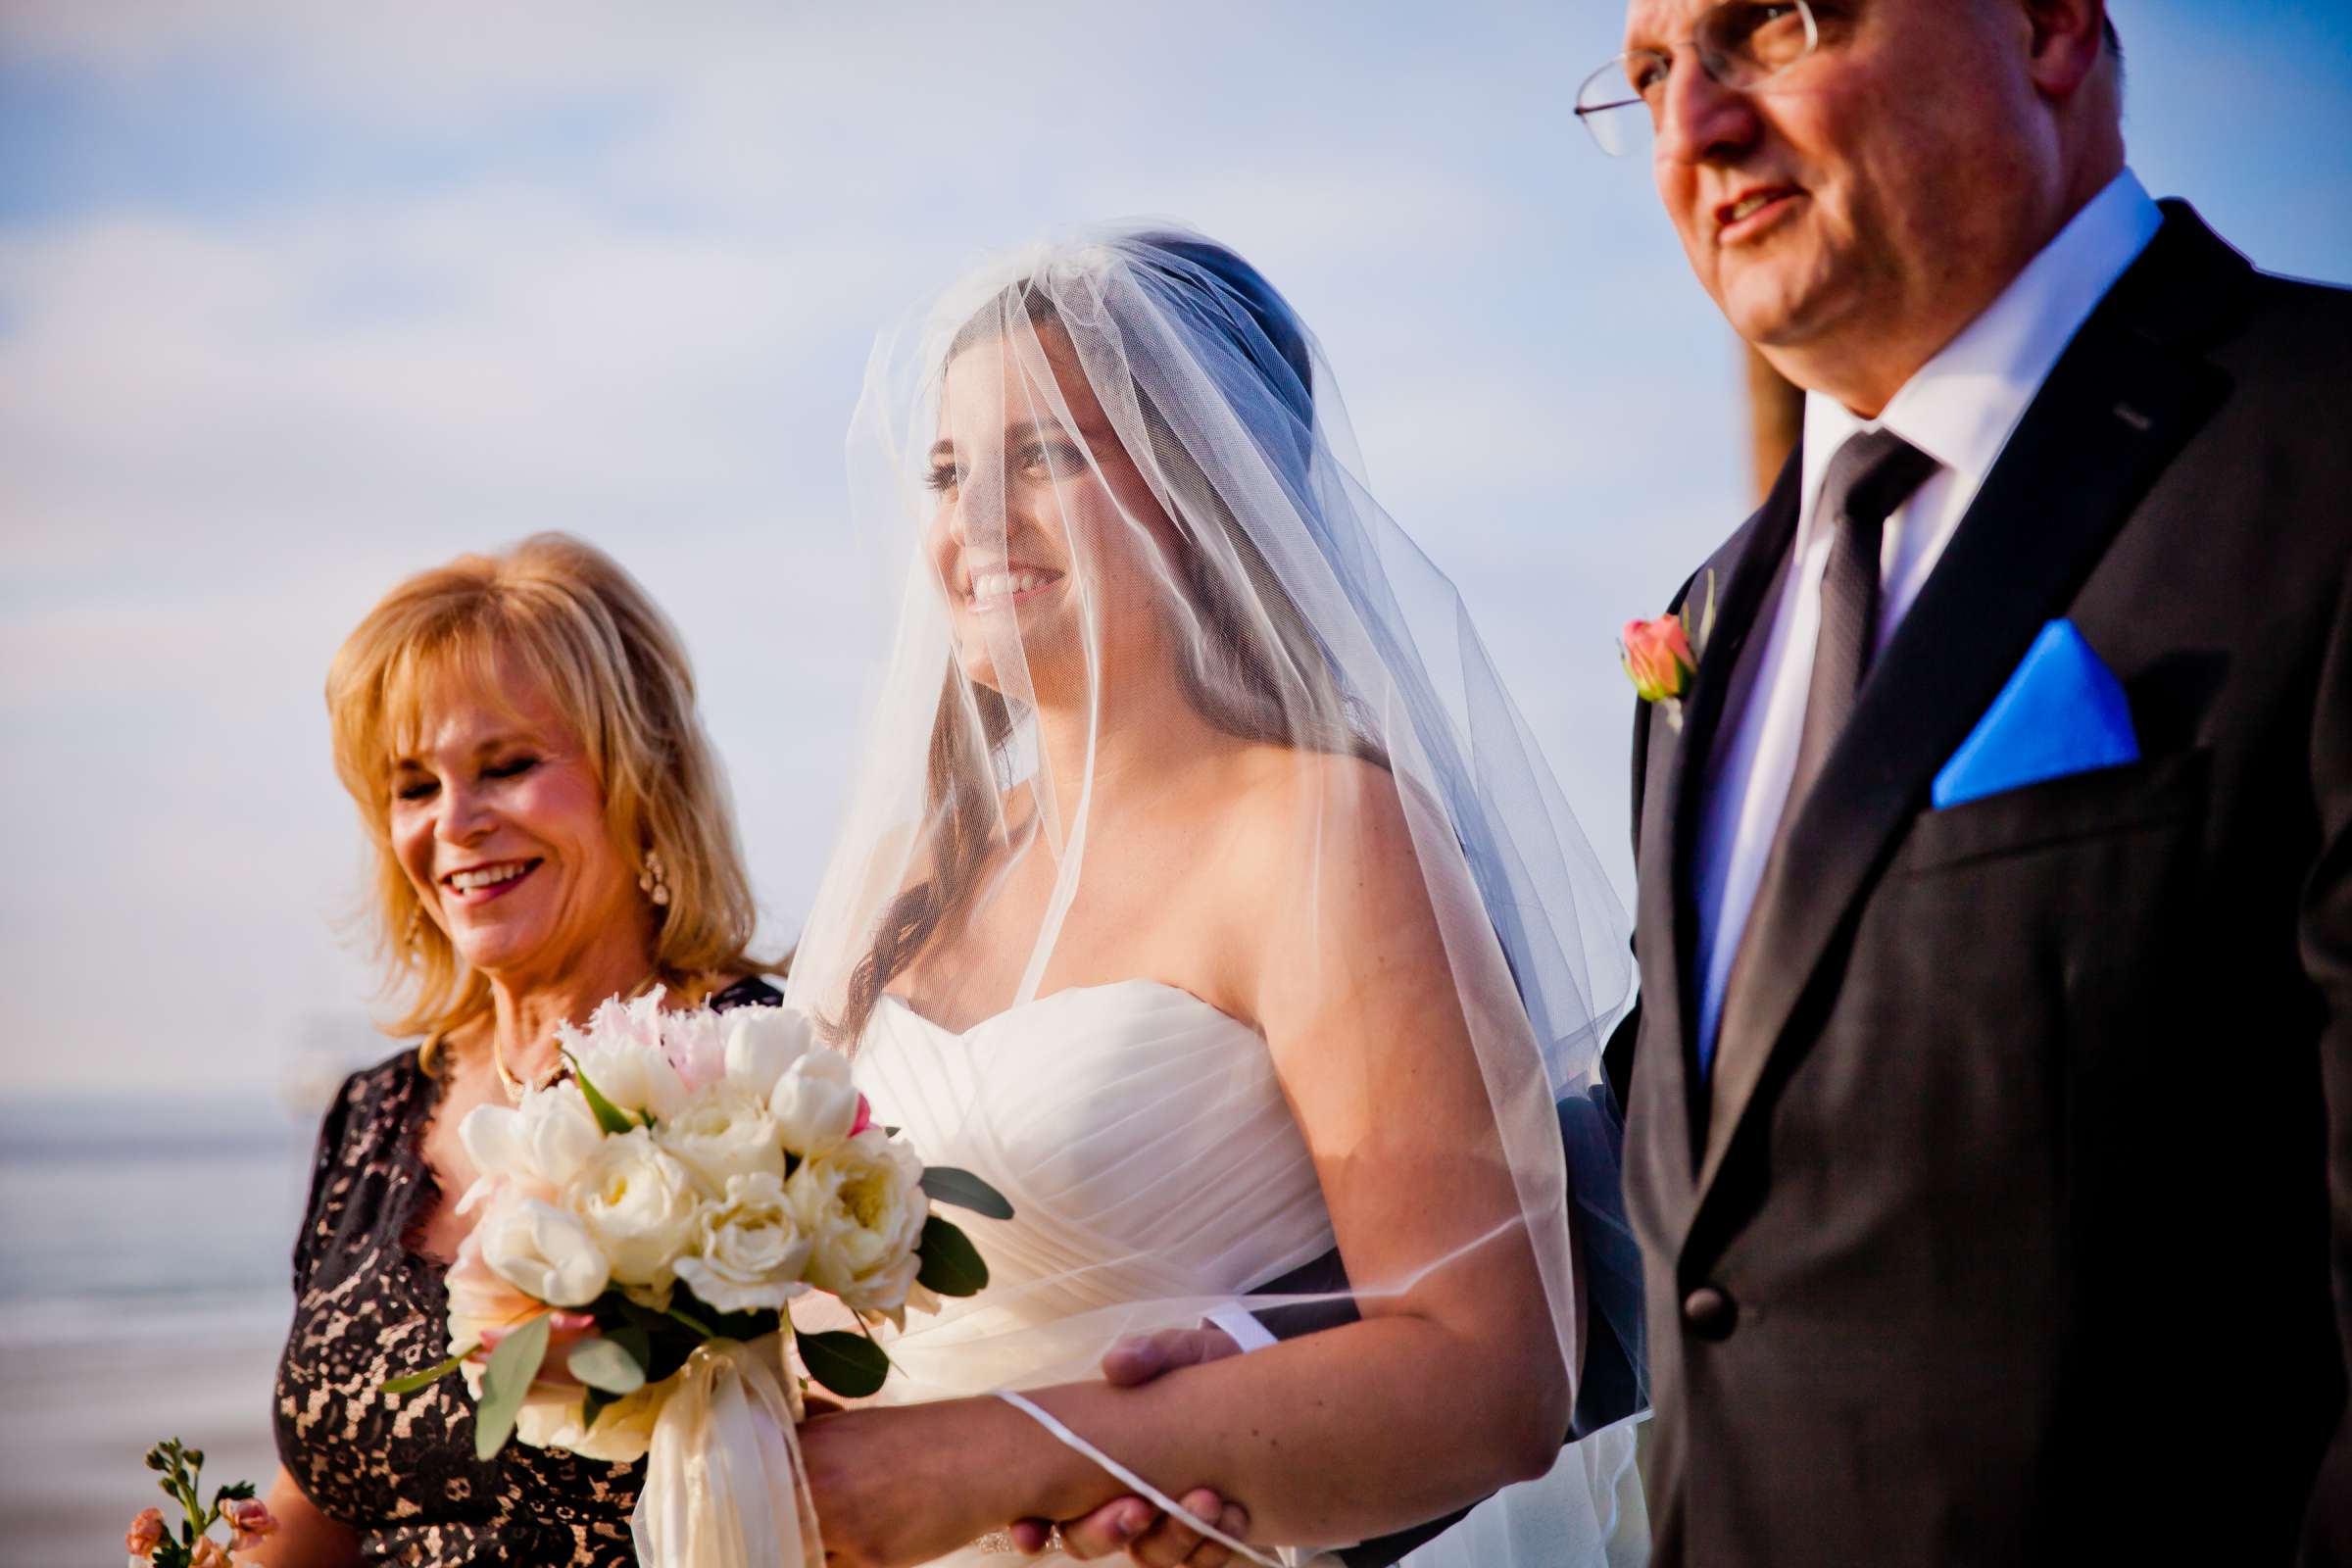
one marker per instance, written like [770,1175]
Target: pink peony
[865,1117]
[696,1043]
[250,1518]
[209,1554]
[1657,657]
[145,1532]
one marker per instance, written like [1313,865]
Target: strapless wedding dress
[1156,1175]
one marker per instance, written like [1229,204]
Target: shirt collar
[1961,406]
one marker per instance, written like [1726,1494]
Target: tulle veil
[1166,532]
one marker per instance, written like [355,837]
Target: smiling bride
[1205,893]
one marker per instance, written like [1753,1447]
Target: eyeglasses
[1739,43]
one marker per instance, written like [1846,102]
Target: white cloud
[613,269]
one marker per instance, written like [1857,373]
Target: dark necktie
[1872,473]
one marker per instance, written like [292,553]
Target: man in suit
[1981,1155]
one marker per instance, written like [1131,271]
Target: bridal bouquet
[646,1224]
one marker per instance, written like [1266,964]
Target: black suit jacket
[2012,1243]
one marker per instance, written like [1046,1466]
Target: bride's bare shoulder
[1306,818]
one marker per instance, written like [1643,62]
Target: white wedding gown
[1156,1175]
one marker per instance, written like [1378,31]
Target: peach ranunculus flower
[480,1300]
[144,1532]
[209,1553]
[250,1518]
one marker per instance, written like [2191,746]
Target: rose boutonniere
[1661,656]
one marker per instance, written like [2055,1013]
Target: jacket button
[1709,1313]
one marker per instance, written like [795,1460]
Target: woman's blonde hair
[612,666]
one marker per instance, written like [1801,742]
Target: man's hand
[1130,1524]
[1152,1538]
[1140,1357]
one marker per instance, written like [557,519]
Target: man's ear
[2065,39]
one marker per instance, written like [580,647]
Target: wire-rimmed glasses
[1739,44]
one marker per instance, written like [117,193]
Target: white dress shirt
[1960,409]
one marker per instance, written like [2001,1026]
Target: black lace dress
[399,1468]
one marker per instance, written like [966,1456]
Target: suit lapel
[2121,402]
[1740,574]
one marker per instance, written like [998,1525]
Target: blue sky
[296,298]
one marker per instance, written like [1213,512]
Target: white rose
[548,1139]
[723,1132]
[750,1251]
[861,1205]
[638,1203]
[630,1075]
[544,1252]
[762,1042]
[550,1418]
[815,1105]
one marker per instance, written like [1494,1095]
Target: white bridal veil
[1167,691]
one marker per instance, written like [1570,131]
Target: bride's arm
[1437,1396]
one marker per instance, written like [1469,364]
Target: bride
[1204,892]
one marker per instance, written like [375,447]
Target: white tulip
[544,1252]
[630,1076]
[762,1042]
[492,1140]
[638,1202]
[749,1251]
[723,1132]
[863,1208]
[559,1133]
[815,1105]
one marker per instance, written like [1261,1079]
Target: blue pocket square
[2062,713]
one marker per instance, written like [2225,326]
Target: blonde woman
[550,828]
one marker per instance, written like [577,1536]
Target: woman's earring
[415,928]
[652,882]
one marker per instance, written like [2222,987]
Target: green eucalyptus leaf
[608,1116]
[593,1406]
[849,1364]
[948,1185]
[636,1341]
[952,1264]
[431,1374]
[505,1382]
[607,1367]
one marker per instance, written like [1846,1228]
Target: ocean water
[144,1291]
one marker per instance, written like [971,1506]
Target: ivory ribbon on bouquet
[724,1485]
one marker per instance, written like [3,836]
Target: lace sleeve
[323,1159]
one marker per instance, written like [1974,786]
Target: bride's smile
[1045,534]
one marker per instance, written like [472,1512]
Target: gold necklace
[514,1087]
